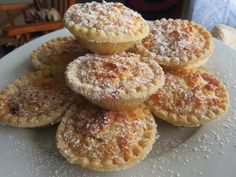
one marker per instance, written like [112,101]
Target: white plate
[209,150]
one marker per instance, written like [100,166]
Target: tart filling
[57,52]
[105,140]
[177,43]
[105,22]
[124,76]
[189,97]
[34,100]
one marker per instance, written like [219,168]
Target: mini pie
[105,140]
[105,28]
[56,54]
[190,97]
[117,82]
[34,100]
[177,43]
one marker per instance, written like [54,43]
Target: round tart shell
[190,97]
[104,140]
[55,54]
[102,42]
[114,100]
[185,61]
[26,111]
[106,48]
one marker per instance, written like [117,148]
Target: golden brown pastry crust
[177,43]
[190,97]
[104,140]
[105,22]
[105,28]
[34,100]
[55,54]
[117,82]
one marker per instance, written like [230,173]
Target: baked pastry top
[105,140]
[105,22]
[57,52]
[189,97]
[34,100]
[124,75]
[177,43]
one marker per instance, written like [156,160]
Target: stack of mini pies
[104,84]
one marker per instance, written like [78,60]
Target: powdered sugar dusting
[92,133]
[59,51]
[110,17]
[114,76]
[190,92]
[40,97]
[175,40]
